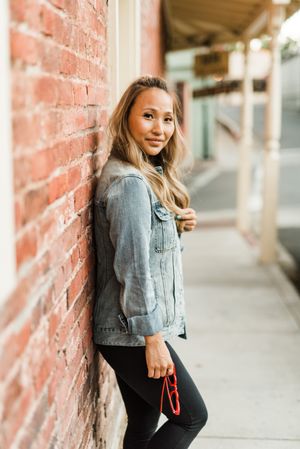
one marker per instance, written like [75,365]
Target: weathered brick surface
[56,392]
[49,367]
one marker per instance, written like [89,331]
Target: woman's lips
[154,141]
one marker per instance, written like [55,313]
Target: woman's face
[151,120]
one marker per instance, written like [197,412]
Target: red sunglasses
[170,383]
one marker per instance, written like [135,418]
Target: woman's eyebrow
[151,108]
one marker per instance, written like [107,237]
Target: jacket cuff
[148,324]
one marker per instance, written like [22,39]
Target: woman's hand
[189,218]
[158,357]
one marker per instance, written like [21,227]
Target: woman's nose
[157,127]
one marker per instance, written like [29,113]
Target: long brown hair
[168,188]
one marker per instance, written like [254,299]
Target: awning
[194,23]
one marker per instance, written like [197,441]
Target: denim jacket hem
[113,339]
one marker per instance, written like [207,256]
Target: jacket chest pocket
[165,232]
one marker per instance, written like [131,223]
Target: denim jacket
[139,287]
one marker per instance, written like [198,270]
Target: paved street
[243,346]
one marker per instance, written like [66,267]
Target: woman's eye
[169,119]
[148,115]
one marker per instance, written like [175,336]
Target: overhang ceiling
[194,23]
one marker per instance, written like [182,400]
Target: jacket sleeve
[129,214]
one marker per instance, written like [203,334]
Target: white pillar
[7,235]
[268,240]
[129,41]
[244,169]
[113,52]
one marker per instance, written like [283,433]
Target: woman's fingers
[160,372]
[150,372]
[158,357]
[188,214]
[190,219]
[157,373]
[170,370]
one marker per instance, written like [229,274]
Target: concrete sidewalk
[243,346]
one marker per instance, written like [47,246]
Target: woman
[141,208]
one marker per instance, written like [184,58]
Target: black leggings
[141,396]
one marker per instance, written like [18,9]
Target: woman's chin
[152,151]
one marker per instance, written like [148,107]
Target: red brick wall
[49,369]
[152,38]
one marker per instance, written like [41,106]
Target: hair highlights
[168,188]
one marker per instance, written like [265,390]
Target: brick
[71,7]
[33,427]
[74,353]
[85,319]
[42,307]
[12,425]
[81,119]
[47,229]
[61,153]
[68,238]
[65,93]
[48,18]
[92,140]
[58,373]
[57,187]
[83,69]
[68,63]
[24,47]
[69,122]
[51,125]
[35,202]
[46,90]
[33,14]
[43,371]
[75,258]
[22,90]
[26,130]
[58,3]
[80,94]
[26,246]
[12,392]
[55,318]
[86,218]
[74,177]
[19,214]
[84,247]
[15,303]
[82,196]
[42,164]
[22,175]
[75,286]
[77,147]
[18,10]
[13,347]
[46,431]
[50,58]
